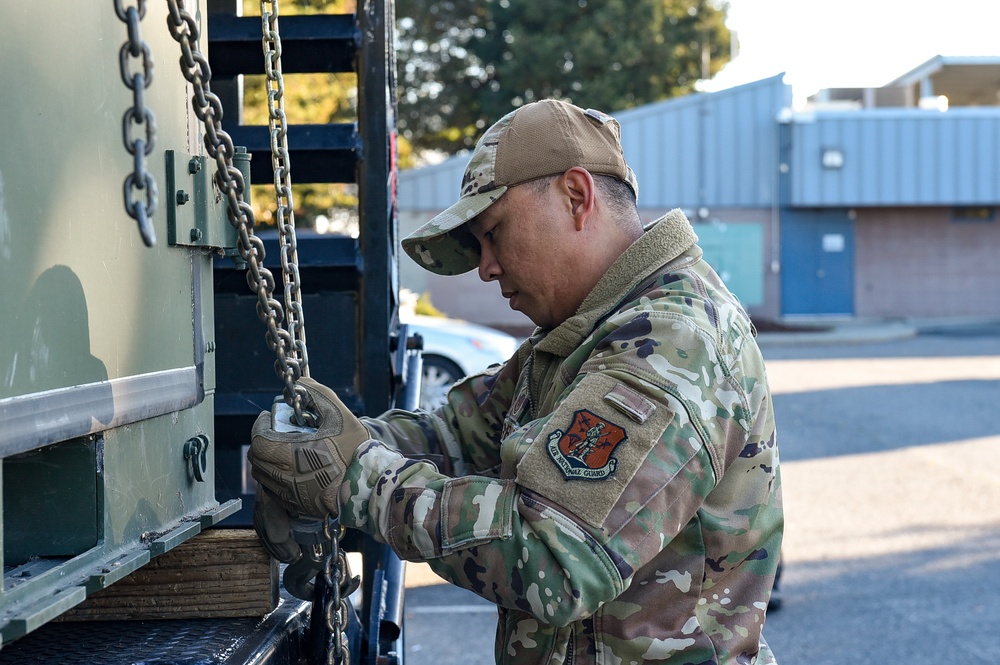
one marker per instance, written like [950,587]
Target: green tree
[465,63]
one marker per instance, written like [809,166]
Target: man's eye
[488,235]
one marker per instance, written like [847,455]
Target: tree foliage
[465,63]
[309,99]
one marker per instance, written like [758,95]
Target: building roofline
[938,62]
[694,98]
[445,164]
[888,113]
[637,112]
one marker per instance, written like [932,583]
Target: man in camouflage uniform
[614,486]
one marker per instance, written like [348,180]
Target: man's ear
[579,186]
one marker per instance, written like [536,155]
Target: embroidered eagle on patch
[584,449]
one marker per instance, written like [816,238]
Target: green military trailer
[147,323]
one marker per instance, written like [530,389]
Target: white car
[454,349]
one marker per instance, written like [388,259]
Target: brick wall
[917,262]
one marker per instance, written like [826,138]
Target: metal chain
[282,166]
[219,145]
[139,180]
[289,365]
[335,564]
[336,580]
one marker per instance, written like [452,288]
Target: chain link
[288,343]
[335,612]
[281,163]
[140,208]
[219,146]
[335,564]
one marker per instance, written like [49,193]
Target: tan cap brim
[445,245]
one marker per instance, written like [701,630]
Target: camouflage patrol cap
[536,140]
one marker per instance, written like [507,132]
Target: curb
[845,334]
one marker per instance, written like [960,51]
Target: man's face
[526,241]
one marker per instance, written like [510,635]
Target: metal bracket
[196,210]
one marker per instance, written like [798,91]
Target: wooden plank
[219,573]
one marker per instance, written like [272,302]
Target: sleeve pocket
[430,523]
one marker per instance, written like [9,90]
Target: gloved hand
[304,470]
[273,525]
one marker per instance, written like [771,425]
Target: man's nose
[489,268]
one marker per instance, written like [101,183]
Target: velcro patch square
[589,438]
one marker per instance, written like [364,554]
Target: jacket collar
[665,240]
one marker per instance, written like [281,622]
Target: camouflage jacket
[613,488]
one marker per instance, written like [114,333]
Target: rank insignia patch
[583,450]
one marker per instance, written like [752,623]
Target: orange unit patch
[584,449]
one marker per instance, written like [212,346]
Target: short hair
[617,194]
[539,185]
[620,197]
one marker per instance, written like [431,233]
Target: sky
[852,43]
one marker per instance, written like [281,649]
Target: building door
[817,259]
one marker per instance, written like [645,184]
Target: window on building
[973,214]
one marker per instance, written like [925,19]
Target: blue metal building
[864,205]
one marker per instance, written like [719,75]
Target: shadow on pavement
[850,421]
[922,607]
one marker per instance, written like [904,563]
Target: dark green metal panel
[107,353]
[50,498]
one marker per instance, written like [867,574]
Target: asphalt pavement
[889,435]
